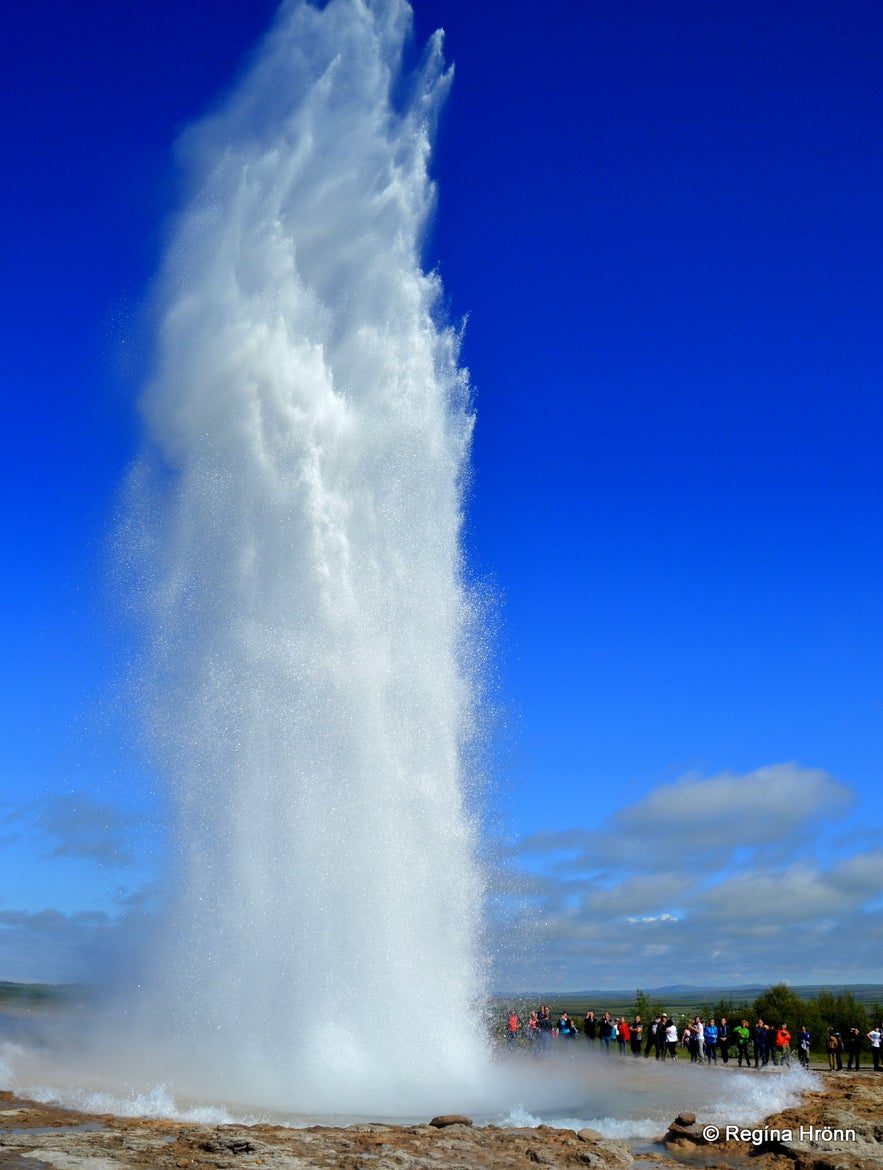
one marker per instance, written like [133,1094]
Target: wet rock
[606,1155]
[64,1140]
[222,1143]
[683,1135]
[541,1156]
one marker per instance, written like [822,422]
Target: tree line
[823,1013]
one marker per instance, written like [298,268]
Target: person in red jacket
[783,1046]
[513,1023]
[623,1035]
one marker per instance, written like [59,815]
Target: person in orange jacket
[783,1045]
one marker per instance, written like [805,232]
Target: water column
[296,515]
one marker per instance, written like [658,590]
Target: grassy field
[36,996]
[676,1001]
[680,1002]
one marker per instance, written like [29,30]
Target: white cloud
[89,946]
[51,947]
[635,895]
[698,824]
[797,893]
[77,826]
[859,873]
[726,879]
[767,804]
[688,884]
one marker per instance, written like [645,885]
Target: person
[636,1032]
[783,1046]
[853,1048]
[650,1046]
[697,1030]
[742,1034]
[662,1036]
[709,1035]
[513,1023]
[544,1026]
[567,1027]
[671,1040]
[834,1048]
[724,1039]
[590,1028]
[623,1035]
[875,1036]
[606,1030]
[761,1053]
[803,1045]
[533,1032]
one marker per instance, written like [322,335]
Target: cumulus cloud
[728,880]
[638,894]
[86,946]
[781,897]
[859,873]
[695,822]
[725,879]
[75,825]
[768,804]
[48,946]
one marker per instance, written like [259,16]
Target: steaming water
[296,522]
[623,1098]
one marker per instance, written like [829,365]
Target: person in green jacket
[742,1036]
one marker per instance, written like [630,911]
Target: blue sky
[663,223]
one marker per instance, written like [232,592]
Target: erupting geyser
[298,510]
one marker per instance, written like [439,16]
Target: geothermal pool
[623,1098]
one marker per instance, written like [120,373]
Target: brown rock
[685,1119]
[682,1135]
[590,1135]
[445,1119]
[112,1143]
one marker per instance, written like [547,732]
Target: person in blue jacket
[710,1036]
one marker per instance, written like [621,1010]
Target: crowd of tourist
[710,1041]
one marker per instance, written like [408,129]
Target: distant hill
[752,990]
[39,994]
[677,998]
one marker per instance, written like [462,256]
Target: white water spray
[309,684]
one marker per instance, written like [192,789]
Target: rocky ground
[838,1127]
